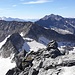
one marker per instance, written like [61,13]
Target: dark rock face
[53,49]
[19,57]
[14,71]
[7,50]
[52,44]
[10,72]
[16,40]
[35,31]
[12,45]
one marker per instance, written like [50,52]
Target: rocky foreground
[49,61]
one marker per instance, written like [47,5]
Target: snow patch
[21,34]
[32,45]
[62,31]
[5,65]
[68,71]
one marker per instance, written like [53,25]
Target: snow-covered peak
[11,19]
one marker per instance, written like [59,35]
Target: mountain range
[11,19]
[58,23]
[55,22]
[25,47]
[31,30]
[16,19]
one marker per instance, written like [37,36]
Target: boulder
[19,57]
[54,53]
[52,45]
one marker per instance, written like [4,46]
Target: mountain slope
[10,27]
[31,30]
[46,61]
[36,31]
[58,23]
[12,45]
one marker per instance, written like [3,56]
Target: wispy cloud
[38,2]
[14,5]
[21,0]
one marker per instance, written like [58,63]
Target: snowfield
[5,65]
[67,71]
[62,31]
[32,45]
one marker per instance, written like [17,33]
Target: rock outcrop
[43,62]
[12,45]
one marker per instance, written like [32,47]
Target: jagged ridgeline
[48,61]
[12,45]
[31,30]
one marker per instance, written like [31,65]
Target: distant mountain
[58,23]
[11,19]
[31,30]
[17,19]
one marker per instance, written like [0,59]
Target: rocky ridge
[49,61]
[31,30]
[12,45]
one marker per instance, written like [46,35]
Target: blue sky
[34,9]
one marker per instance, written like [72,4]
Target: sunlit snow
[5,65]
[3,42]
[68,71]
[32,45]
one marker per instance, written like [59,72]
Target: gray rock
[12,45]
[52,45]
[33,71]
[44,62]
